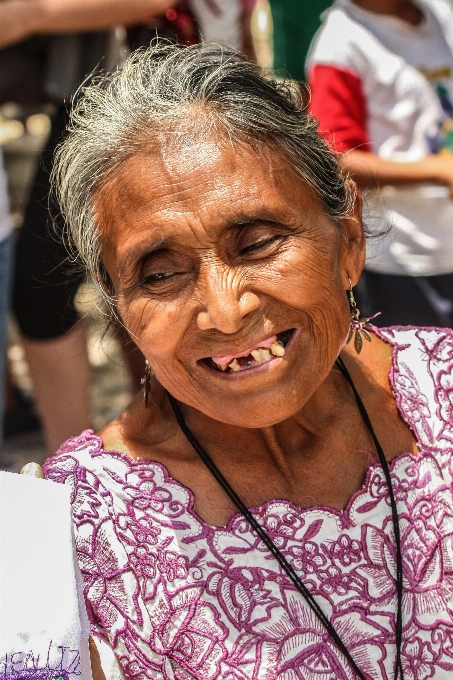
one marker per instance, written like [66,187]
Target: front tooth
[222,368]
[256,354]
[277,349]
[235,366]
[266,354]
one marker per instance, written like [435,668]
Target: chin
[257,409]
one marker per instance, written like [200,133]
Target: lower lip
[235,375]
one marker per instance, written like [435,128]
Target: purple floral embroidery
[307,558]
[143,562]
[346,551]
[38,674]
[174,565]
[281,528]
[333,580]
[143,529]
[240,593]
[180,600]
[418,660]
[415,401]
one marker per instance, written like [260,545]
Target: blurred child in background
[381,78]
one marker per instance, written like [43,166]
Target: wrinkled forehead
[184,163]
[175,173]
[184,149]
[190,155]
[192,145]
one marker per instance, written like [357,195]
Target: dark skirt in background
[45,281]
[406,300]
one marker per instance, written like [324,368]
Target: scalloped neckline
[343,515]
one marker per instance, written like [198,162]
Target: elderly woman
[278,503]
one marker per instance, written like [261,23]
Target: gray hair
[116,114]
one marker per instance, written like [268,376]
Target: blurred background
[23,136]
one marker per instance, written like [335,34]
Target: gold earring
[358,324]
[146,382]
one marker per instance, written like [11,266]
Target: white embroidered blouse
[179,599]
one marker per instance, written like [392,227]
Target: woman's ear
[353,243]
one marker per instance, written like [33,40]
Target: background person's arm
[22,18]
[339,103]
[368,169]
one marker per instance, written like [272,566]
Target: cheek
[304,277]
[307,281]
[155,328]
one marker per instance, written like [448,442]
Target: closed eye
[261,244]
[160,279]
[160,276]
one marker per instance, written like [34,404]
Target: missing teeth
[259,355]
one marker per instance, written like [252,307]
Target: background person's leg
[6,254]
[43,301]
[60,373]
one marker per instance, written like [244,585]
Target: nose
[225,300]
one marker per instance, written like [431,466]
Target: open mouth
[267,351]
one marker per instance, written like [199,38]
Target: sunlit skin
[212,248]
[404,9]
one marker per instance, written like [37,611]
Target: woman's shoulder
[422,380]
[420,343]
[83,463]
[82,450]
[80,464]
[106,482]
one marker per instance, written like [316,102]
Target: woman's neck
[403,9]
[297,436]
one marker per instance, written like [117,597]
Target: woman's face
[215,251]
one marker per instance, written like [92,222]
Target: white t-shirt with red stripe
[383,85]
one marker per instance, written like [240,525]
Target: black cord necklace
[285,565]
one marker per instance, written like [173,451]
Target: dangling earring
[146,382]
[358,325]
